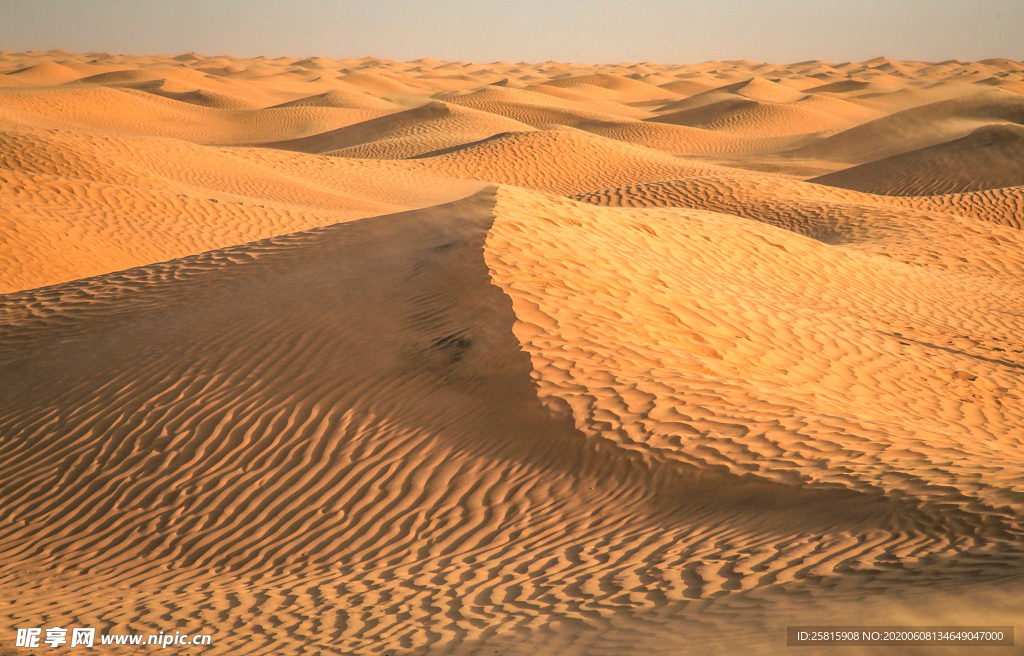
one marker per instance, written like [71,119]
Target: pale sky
[594,31]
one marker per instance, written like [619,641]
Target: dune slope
[918,127]
[416,131]
[990,157]
[393,406]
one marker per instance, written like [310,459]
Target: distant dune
[919,127]
[408,133]
[990,157]
[404,358]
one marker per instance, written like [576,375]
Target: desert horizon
[364,356]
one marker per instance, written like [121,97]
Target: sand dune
[431,127]
[919,127]
[177,79]
[728,333]
[382,85]
[342,99]
[371,357]
[86,205]
[623,88]
[854,221]
[880,85]
[365,481]
[1005,205]
[686,141]
[990,157]
[533,160]
[543,108]
[761,90]
[45,74]
[133,112]
[754,89]
[689,87]
[733,110]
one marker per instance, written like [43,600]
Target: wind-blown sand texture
[372,357]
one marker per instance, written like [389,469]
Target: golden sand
[373,357]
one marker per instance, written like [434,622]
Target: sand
[373,357]
[996,151]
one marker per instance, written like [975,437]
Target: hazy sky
[594,31]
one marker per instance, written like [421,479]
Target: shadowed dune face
[371,357]
[384,428]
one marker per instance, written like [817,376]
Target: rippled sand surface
[372,357]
